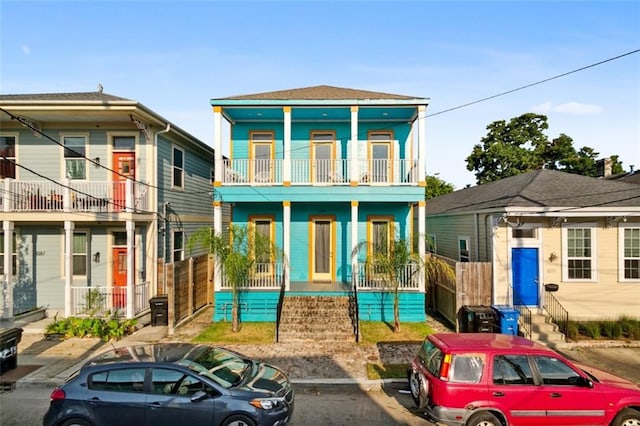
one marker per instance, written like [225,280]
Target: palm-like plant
[239,255]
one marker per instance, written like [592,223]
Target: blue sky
[174,56]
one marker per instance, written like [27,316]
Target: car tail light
[57,394]
[444,368]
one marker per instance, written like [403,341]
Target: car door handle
[555,395]
[498,393]
[155,405]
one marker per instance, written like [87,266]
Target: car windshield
[224,367]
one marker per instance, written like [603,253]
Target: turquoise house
[323,171]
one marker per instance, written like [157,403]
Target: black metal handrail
[557,312]
[280,304]
[525,320]
[354,311]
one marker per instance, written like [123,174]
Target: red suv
[486,379]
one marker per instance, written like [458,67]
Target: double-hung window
[13,254]
[178,168]
[178,246]
[7,157]
[579,243]
[380,155]
[261,241]
[262,156]
[75,152]
[79,253]
[629,237]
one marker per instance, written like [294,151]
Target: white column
[354,243]
[422,229]
[7,227]
[286,167]
[129,199]
[217,230]
[68,266]
[6,195]
[217,144]
[131,268]
[286,243]
[355,161]
[422,143]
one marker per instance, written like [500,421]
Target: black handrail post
[280,303]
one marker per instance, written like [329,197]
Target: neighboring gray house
[97,191]
[546,226]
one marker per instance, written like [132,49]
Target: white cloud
[25,49]
[573,108]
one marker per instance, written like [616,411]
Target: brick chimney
[604,167]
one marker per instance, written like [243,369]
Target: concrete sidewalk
[47,362]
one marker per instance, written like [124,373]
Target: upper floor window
[7,157]
[75,153]
[178,168]
[323,166]
[178,246]
[630,251]
[14,254]
[464,254]
[579,243]
[261,156]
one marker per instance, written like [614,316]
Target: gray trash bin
[9,339]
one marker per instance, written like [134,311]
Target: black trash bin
[9,339]
[159,310]
[478,319]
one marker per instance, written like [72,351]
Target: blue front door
[524,264]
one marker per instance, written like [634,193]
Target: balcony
[74,196]
[320,172]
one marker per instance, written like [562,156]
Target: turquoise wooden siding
[373,306]
[378,306]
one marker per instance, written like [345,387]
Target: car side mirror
[199,396]
[583,382]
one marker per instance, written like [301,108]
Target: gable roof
[539,189]
[63,97]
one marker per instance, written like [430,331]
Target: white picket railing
[320,172]
[265,276]
[369,279]
[72,195]
[98,301]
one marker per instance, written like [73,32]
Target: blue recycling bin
[508,318]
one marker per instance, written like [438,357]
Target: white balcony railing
[320,172]
[74,196]
[369,279]
[100,301]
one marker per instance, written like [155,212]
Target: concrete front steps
[545,331]
[316,318]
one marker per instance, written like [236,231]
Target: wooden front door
[119,272]
[322,249]
[124,163]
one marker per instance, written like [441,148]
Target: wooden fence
[472,286]
[189,287]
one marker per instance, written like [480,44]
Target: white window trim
[621,228]
[537,239]
[87,154]
[16,137]
[173,167]
[88,253]
[173,244]
[468,240]
[594,251]
[16,236]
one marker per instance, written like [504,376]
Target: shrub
[590,329]
[105,329]
[572,330]
[612,329]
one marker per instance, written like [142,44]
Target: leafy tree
[240,256]
[436,187]
[521,145]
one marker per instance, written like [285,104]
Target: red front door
[124,163]
[119,290]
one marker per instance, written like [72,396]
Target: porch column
[355,161]
[131,268]
[422,145]
[6,195]
[354,243]
[68,266]
[286,243]
[217,146]
[129,201]
[422,229]
[286,166]
[7,227]
[217,230]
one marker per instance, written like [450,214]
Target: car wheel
[419,388]
[627,417]
[238,420]
[484,418]
[76,422]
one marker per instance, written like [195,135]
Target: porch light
[96,257]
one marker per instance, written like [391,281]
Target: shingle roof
[63,97]
[539,188]
[319,93]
